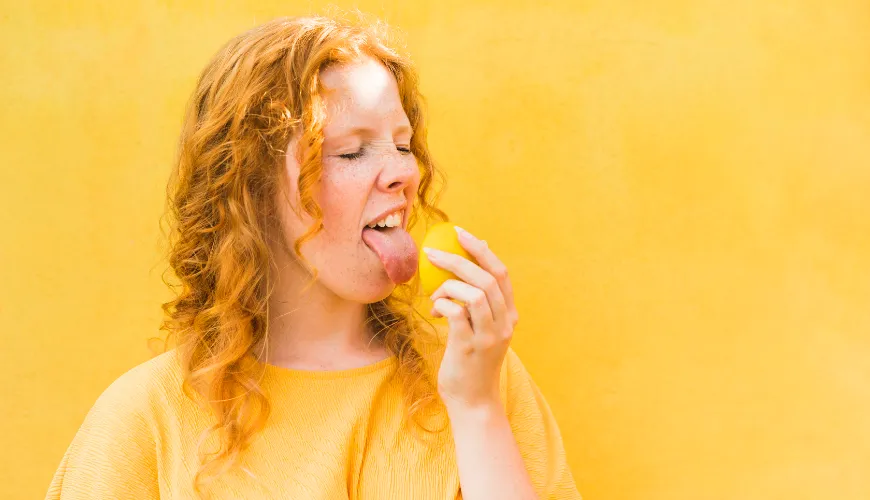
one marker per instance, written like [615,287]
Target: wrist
[483,410]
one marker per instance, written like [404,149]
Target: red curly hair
[259,91]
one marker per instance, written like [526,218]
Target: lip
[387,212]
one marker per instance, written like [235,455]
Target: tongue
[397,252]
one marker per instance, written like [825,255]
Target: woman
[300,369]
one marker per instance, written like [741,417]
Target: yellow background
[679,188]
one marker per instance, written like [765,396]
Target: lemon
[442,236]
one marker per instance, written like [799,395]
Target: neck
[313,328]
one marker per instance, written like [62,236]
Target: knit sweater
[330,435]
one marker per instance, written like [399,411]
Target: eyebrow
[362,130]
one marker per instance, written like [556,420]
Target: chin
[367,292]
[380,293]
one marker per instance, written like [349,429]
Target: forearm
[490,465]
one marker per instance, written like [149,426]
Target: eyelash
[354,156]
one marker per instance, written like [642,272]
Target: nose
[399,170]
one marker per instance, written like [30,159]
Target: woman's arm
[489,461]
[507,452]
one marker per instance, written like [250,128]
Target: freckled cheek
[342,206]
[411,191]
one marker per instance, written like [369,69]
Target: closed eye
[352,156]
[359,154]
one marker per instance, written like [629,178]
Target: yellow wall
[680,189]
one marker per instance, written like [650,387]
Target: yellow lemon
[442,236]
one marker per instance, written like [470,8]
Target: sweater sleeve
[113,454]
[537,433]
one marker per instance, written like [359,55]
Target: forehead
[360,91]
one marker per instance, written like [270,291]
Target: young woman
[301,368]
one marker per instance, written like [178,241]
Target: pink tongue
[397,251]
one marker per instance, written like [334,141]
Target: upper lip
[389,211]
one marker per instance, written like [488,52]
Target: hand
[481,330]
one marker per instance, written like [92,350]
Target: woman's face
[368,171]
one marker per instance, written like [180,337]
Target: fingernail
[431,252]
[462,232]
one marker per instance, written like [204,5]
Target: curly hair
[259,91]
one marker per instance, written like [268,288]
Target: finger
[457,319]
[475,300]
[489,261]
[436,314]
[475,276]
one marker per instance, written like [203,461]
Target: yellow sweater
[331,435]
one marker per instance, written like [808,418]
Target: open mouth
[395,249]
[388,222]
[380,229]
[386,231]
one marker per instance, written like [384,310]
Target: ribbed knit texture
[331,435]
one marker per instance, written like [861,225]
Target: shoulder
[534,426]
[516,382]
[513,366]
[143,386]
[114,452]
[537,433]
[135,402]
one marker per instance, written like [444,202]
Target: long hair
[259,91]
